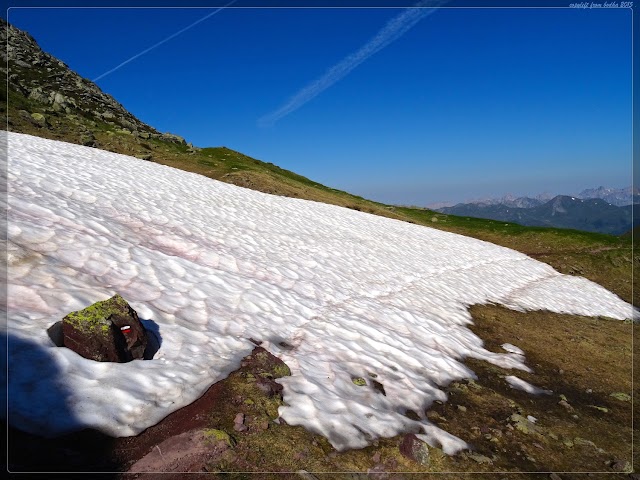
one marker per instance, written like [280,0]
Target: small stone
[462,408]
[376,457]
[269,386]
[359,381]
[238,423]
[565,405]
[479,458]
[306,475]
[583,442]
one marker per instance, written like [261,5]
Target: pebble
[238,423]
[565,404]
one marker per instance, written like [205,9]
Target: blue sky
[467,103]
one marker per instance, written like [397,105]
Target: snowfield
[335,293]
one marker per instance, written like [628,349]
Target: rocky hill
[36,78]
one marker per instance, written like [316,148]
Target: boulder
[107,331]
[39,120]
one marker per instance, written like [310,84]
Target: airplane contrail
[394,29]
[147,50]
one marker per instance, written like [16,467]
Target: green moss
[215,435]
[281,371]
[96,318]
[359,381]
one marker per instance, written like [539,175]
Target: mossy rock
[107,331]
[96,318]
[623,397]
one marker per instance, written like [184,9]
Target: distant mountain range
[604,210]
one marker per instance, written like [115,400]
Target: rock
[238,423]
[88,140]
[40,120]
[476,457]
[583,442]
[359,381]
[623,397]
[107,331]
[620,466]
[523,424]
[565,405]
[220,437]
[306,475]
[55,334]
[415,449]
[269,386]
[144,156]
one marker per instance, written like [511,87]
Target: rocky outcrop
[107,331]
[43,78]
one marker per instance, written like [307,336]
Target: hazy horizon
[403,106]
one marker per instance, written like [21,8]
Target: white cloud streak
[393,30]
[170,37]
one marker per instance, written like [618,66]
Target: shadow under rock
[35,388]
[154,338]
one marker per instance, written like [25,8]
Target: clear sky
[395,106]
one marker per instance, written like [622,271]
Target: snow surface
[512,348]
[349,294]
[519,384]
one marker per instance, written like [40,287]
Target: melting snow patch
[519,384]
[349,294]
[512,349]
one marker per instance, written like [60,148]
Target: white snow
[519,384]
[214,264]
[512,349]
